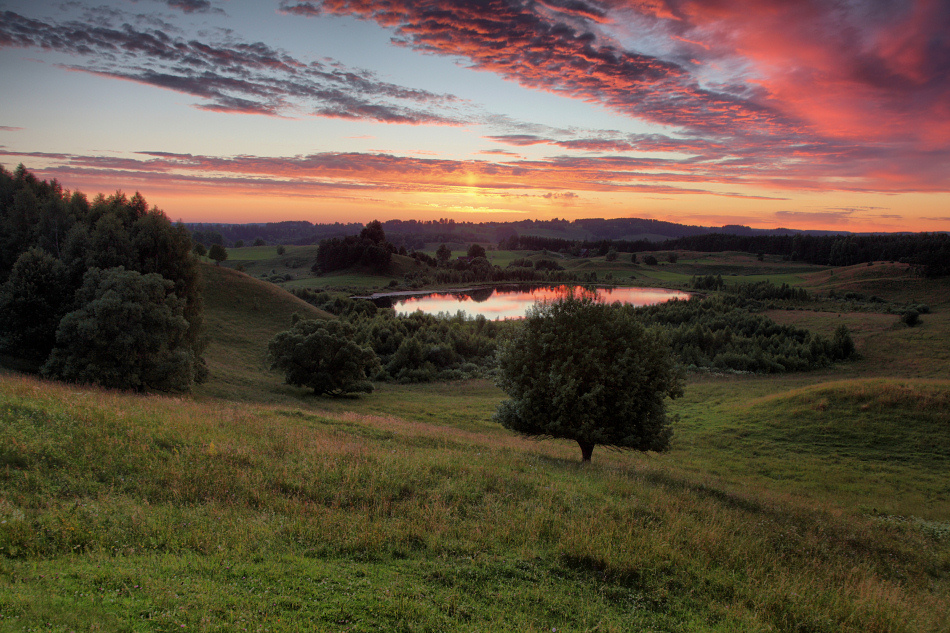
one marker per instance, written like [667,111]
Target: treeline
[415,234]
[105,291]
[929,252]
[722,333]
[288,232]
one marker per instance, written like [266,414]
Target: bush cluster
[418,347]
[754,291]
[722,333]
[422,347]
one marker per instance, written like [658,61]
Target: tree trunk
[587,448]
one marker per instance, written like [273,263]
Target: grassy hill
[241,315]
[806,502]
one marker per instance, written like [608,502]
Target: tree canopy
[323,356]
[129,333]
[588,372]
[218,253]
[32,302]
[476,250]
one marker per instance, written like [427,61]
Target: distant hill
[415,234]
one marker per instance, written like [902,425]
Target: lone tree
[443,253]
[476,250]
[218,253]
[588,372]
[323,356]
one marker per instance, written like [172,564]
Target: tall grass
[150,512]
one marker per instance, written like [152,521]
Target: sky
[812,114]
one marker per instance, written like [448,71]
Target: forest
[103,291]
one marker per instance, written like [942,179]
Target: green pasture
[814,502]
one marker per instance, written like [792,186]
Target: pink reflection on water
[513,304]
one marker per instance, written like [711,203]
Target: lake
[512,302]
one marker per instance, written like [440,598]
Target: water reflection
[513,302]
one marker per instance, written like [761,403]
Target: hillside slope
[241,315]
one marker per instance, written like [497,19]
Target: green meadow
[807,502]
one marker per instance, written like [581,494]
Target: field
[805,502]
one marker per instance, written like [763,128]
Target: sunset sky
[812,114]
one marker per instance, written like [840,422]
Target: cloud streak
[246,78]
[377,172]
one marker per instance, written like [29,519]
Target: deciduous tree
[443,253]
[587,372]
[218,253]
[323,356]
[130,333]
[32,302]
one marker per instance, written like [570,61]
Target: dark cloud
[9,128]
[519,140]
[191,6]
[250,78]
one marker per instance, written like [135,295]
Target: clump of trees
[723,333]
[129,332]
[369,248]
[418,347]
[754,291]
[588,372]
[72,271]
[323,356]
[707,282]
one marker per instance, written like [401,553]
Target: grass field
[804,502]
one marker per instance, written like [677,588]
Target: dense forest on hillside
[102,291]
